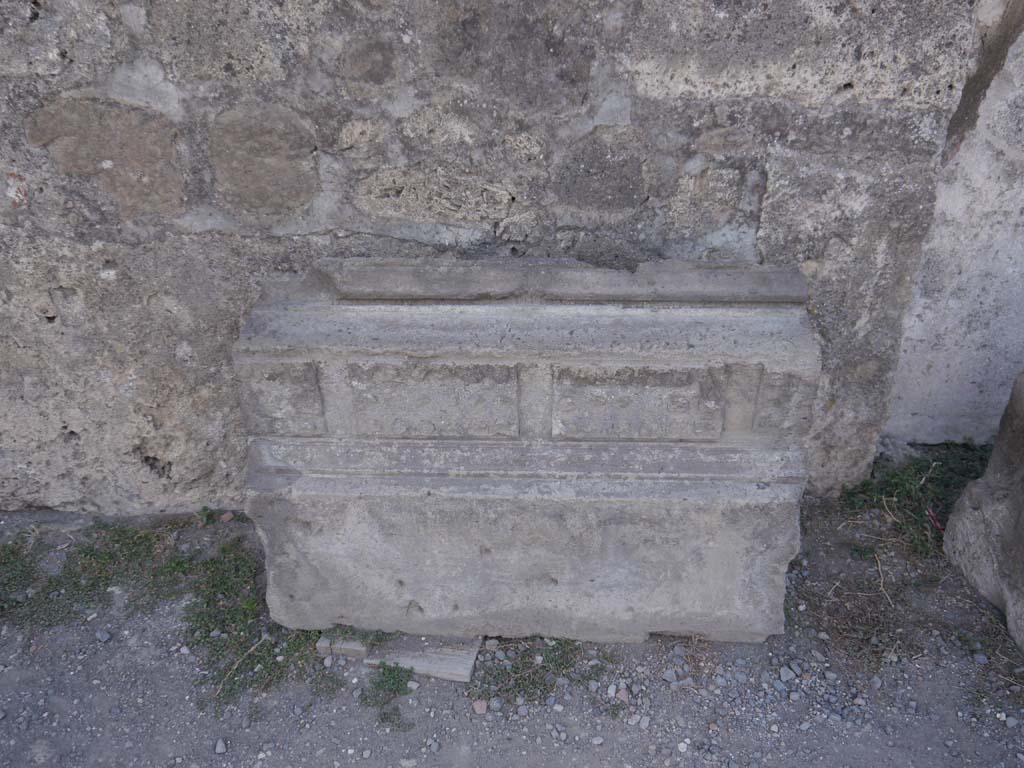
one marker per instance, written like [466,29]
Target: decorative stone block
[510,449]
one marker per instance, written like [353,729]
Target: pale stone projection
[454,447]
[985,536]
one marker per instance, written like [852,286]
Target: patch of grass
[391,681]
[615,709]
[918,496]
[206,516]
[391,717]
[18,573]
[141,561]
[520,674]
[862,552]
[368,637]
[229,625]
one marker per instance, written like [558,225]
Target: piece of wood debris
[348,646]
[446,658]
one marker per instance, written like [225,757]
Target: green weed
[531,669]
[18,573]
[861,552]
[227,623]
[140,561]
[918,496]
[229,626]
[391,681]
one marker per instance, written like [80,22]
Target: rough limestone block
[510,452]
[985,535]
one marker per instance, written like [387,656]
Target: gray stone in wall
[526,448]
[264,158]
[985,535]
[132,152]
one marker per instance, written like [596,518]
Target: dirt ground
[889,659]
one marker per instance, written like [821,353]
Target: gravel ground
[887,661]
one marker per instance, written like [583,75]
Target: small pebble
[597,741]
[102,635]
[220,748]
[480,707]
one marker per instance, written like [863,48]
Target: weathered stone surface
[810,51]
[587,559]
[264,158]
[532,465]
[602,174]
[635,404]
[131,151]
[255,42]
[425,400]
[985,534]
[570,109]
[282,399]
[855,230]
[962,341]
[54,38]
[715,212]
[436,194]
[117,391]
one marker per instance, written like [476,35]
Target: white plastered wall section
[963,335]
